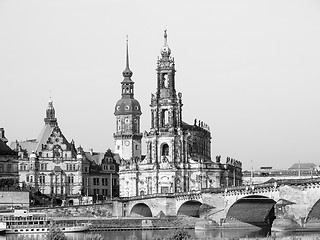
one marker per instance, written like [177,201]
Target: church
[178,156]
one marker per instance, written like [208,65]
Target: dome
[127,73]
[165,50]
[127,106]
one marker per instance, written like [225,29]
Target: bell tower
[127,111]
[166,106]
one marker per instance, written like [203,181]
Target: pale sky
[247,68]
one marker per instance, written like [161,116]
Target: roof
[5,149]
[57,169]
[94,157]
[43,136]
[302,166]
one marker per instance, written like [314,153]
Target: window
[96,191]
[104,181]
[42,179]
[165,150]
[96,181]
[70,179]
[114,182]
[112,167]
[137,147]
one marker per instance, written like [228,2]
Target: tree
[55,233]
[180,234]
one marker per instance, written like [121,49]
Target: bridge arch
[314,212]
[190,208]
[253,209]
[141,210]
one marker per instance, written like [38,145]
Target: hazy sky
[249,69]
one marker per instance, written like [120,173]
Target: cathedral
[178,156]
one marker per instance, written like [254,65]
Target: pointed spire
[165,50]
[127,73]
[127,54]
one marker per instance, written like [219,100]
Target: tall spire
[127,54]
[127,73]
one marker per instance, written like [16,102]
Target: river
[149,234]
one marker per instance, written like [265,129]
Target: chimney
[2,136]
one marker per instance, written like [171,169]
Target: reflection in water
[149,234]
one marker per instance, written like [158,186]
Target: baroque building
[178,157]
[50,164]
[54,167]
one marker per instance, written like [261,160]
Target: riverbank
[129,223]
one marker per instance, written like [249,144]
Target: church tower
[164,139]
[166,106]
[127,111]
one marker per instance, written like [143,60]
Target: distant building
[9,176]
[267,174]
[49,164]
[54,167]
[178,155]
[100,175]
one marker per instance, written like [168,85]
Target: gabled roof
[302,166]
[5,149]
[95,157]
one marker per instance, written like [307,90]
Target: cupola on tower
[127,111]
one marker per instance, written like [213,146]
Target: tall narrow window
[165,117]
[165,150]
[165,80]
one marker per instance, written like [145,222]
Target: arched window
[165,81]
[165,150]
[165,117]
[141,193]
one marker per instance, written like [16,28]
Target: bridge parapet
[178,196]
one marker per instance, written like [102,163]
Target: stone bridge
[297,199]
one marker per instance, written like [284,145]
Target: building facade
[100,175]
[53,166]
[9,176]
[178,157]
[50,164]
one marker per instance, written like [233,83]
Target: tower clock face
[127,143]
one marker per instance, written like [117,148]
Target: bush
[55,233]
[93,236]
[180,234]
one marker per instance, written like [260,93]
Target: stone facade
[178,157]
[53,166]
[50,164]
